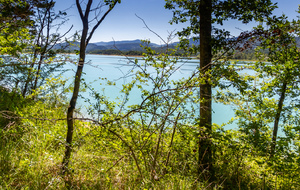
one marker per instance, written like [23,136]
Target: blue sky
[122,24]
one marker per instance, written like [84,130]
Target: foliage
[108,147]
[283,54]
[244,11]
[153,143]
[267,109]
[28,71]
[15,20]
[244,55]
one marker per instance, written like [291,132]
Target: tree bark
[277,118]
[205,121]
[73,101]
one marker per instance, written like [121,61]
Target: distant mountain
[92,46]
[75,46]
[112,43]
[126,45]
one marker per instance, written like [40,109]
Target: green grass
[31,153]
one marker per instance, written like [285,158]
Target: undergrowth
[31,152]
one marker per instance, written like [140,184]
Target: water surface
[114,68]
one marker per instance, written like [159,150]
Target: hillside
[126,45]
[133,47]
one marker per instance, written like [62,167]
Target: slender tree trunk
[205,122]
[277,118]
[29,77]
[38,72]
[27,80]
[85,38]
[72,105]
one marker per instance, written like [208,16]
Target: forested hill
[128,45]
[115,47]
[133,47]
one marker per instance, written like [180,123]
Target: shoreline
[192,57]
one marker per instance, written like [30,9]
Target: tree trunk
[38,72]
[27,80]
[29,77]
[85,38]
[277,118]
[72,105]
[205,122]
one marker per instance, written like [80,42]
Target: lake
[115,67]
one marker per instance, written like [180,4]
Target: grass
[31,152]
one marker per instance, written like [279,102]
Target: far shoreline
[193,57]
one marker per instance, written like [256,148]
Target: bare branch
[151,30]
[99,22]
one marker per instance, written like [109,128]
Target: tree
[14,20]
[30,41]
[282,52]
[15,23]
[205,120]
[202,14]
[46,36]
[86,36]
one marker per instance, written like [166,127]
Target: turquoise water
[114,68]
